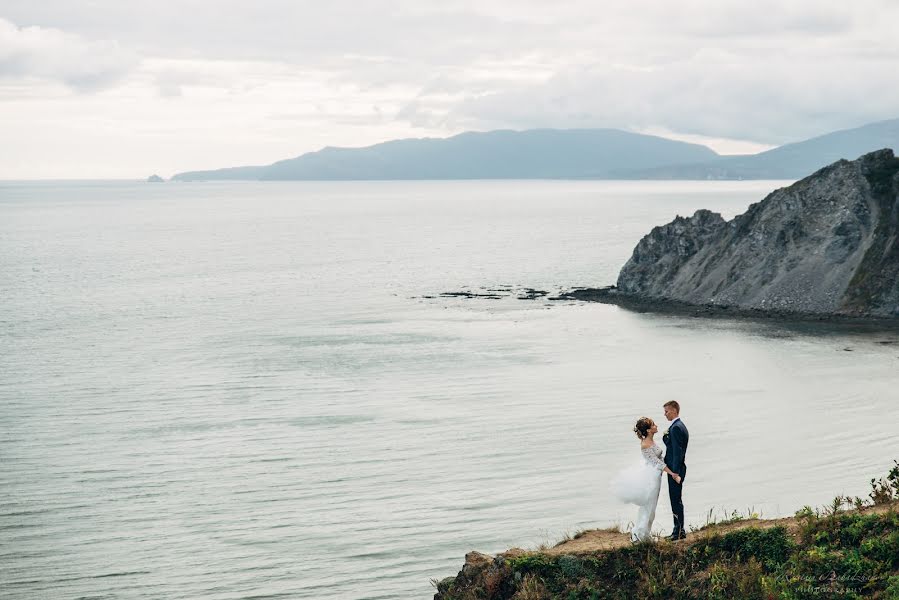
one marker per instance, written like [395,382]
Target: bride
[640,484]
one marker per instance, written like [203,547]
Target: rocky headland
[826,246]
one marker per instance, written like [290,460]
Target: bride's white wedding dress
[640,485]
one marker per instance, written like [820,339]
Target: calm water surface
[240,390]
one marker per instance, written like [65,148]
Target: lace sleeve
[652,458]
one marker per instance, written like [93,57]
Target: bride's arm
[659,464]
[653,459]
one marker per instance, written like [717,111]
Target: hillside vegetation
[847,550]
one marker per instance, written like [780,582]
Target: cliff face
[828,244]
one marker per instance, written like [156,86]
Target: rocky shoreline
[823,250]
[641,304]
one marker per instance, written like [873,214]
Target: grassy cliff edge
[849,549]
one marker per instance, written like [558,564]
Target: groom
[675,439]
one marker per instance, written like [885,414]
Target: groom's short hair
[673,404]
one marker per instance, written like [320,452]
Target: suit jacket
[676,447]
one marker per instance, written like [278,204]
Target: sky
[126,88]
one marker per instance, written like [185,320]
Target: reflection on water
[239,390]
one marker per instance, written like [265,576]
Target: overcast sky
[125,88]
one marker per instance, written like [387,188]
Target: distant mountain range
[791,161]
[562,154]
[533,154]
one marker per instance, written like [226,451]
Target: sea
[258,390]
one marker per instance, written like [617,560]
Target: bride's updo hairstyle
[643,426]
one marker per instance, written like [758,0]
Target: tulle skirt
[637,484]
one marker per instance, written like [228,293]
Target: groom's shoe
[675,536]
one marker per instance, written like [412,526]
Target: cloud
[763,97]
[289,76]
[48,53]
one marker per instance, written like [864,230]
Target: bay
[255,390]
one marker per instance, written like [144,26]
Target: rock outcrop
[827,245]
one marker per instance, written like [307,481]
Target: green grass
[733,516]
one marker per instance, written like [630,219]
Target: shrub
[886,489]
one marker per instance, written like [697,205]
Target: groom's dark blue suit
[675,440]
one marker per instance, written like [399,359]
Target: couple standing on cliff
[640,484]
